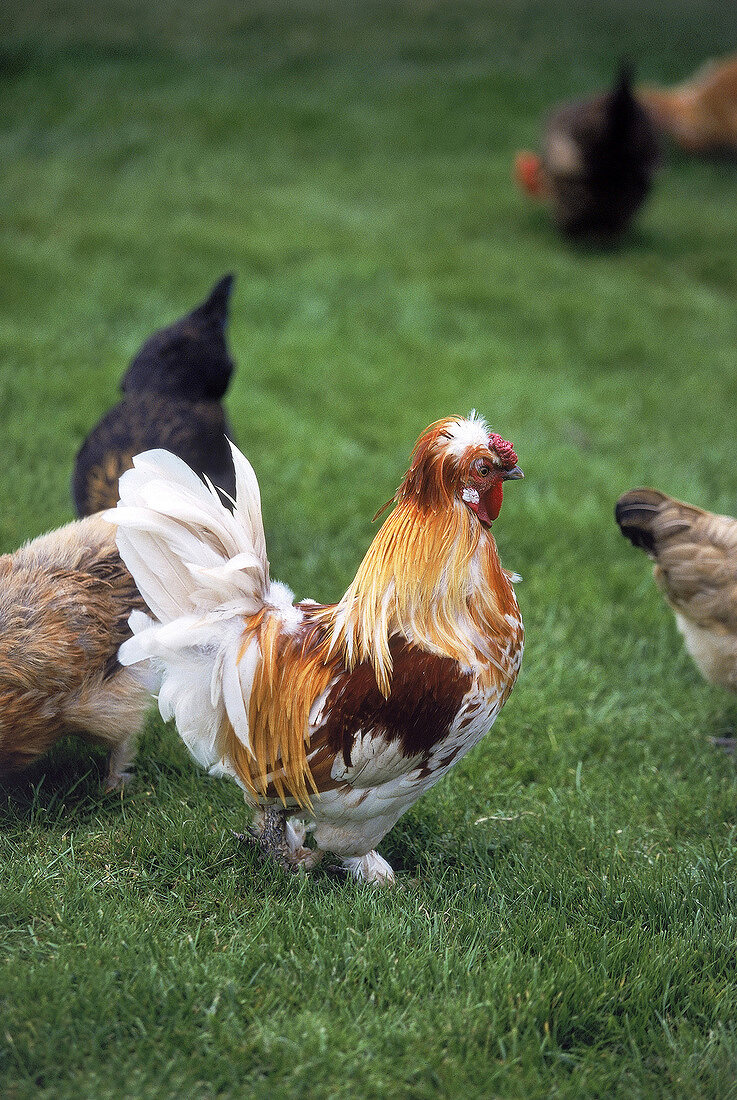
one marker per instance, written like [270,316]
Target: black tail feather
[623,109]
[190,357]
[215,306]
[635,512]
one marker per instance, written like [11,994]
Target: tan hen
[695,555]
[65,599]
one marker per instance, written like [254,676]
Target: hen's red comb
[504,449]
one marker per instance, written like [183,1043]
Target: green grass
[564,922]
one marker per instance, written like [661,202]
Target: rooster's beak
[512,475]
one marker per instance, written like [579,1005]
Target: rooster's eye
[483,469]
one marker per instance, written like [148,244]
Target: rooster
[701,115]
[343,714]
[598,160]
[695,555]
[173,390]
[65,599]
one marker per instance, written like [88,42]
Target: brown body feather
[426,695]
[65,599]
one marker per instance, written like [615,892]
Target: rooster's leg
[369,868]
[283,839]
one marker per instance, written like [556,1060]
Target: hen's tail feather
[648,518]
[635,512]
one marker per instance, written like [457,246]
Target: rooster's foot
[369,868]
[265,852]
[336,870]
[281,840]
[299,855]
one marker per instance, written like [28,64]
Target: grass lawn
[564,922]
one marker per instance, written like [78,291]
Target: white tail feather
[187,553]
[202,570]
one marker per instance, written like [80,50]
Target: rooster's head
[458,461]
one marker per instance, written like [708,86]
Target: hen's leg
[118,762]
[369,868]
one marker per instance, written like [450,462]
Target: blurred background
[352,165]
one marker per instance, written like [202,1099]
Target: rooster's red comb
[504,449]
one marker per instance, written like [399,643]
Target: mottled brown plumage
[695,555]
[65,599]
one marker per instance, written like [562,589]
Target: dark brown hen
[597,164]
[173,390]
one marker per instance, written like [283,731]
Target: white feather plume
[202,571]
[186,552]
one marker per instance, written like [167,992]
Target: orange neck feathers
[435,577]
[432,573]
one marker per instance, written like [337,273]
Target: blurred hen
[700,115]
[343,713]
[173,391]
[597,164]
